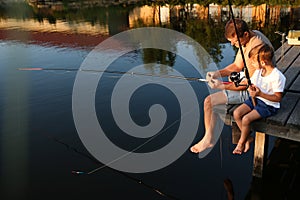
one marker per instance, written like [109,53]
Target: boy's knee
[246,120]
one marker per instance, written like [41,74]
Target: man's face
[234,40]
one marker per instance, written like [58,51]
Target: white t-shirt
[274,82]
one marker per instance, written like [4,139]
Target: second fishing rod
[242,54]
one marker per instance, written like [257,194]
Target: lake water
[40,145]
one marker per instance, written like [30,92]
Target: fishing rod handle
[253,98]
[254,101]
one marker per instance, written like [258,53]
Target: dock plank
[288,59]
[288,104]
[295,87]
[294,119]
[292,73]
[283,49]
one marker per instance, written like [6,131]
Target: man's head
[242,32]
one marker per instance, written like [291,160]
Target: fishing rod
[241,50]
[118,72]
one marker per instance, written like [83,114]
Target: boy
[268,85]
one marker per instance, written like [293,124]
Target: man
[231,94]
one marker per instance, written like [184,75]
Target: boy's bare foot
[239,149]
[201,146]
[247,144]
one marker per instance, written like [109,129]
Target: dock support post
[260,153]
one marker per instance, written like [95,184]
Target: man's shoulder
[258,33]
[260,38]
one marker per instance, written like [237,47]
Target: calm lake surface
[40,146]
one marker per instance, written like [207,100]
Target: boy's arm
[254,91]
[276,97]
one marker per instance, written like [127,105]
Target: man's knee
[215,99]
[207,102]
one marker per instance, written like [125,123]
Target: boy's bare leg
[238,115]
[247,144]
[246,122]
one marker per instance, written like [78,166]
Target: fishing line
[139,181]
[221,152]
[196,79]
[117,72]
[137,148]
[158,191]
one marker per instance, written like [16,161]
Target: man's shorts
[261,107]
[236,97]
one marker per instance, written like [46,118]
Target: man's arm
[236,66]
[217,84]
[229,69]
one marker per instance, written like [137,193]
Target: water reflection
[94,23]
[61,36]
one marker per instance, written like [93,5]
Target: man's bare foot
[247,144]
[201,146]
[239,149]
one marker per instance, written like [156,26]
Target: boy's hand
[253,91]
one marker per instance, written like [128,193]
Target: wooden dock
[286,123]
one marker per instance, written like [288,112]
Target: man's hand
[216,84]
[212,75]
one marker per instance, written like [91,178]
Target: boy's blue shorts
[262,108]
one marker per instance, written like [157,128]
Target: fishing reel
[236,78]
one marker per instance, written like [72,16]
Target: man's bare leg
[210,118]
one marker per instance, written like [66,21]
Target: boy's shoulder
[278,72]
